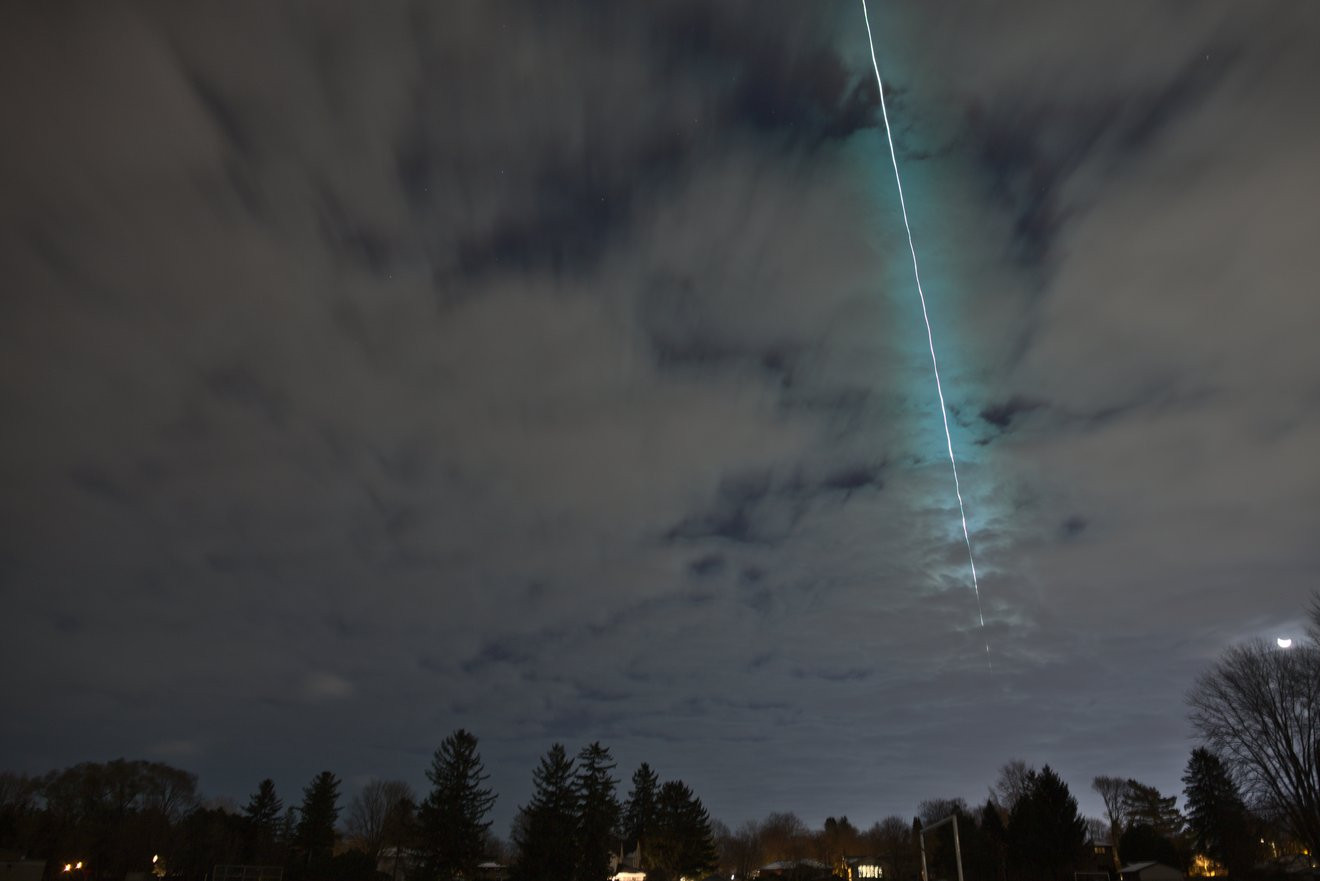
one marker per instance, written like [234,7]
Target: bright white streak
[930,337]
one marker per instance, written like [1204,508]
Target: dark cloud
[738,515]
[851,479]
[779,81]
[95,481]
[495,653]
[711,564]
[1030,147]
[850,674]
[222,112]
[1002,415]
[237,385]
[1074,526]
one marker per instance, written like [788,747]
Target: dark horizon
[292,793]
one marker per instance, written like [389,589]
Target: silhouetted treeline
[1040,837]
[145,821]
[1030,829]
[112,817]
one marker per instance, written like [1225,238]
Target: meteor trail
[930,337]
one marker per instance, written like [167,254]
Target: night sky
[556,371]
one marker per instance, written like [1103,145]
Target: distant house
[1097,858]
[864,869]
[1204,867]
[794,870]
[398,862]
[1150,871]
[624,865]
[625,872]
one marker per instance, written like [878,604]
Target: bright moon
[1284,642]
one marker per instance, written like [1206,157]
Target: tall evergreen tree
[288,827]
[452,819]
[996,841]
[1045,831]
[263,816]
[684,843]
[1144,806]
[263,808]
[544,831]
[598,812]
[315,835]
[639,812]
[1216,815]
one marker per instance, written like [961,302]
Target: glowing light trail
[930,337]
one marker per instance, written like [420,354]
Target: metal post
[957,848]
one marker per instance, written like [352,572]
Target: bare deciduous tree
[1113,792]
[1013,782]
[785,837]
[375,813]
[18,792]
[892,842]
[742,849]
[1259,708]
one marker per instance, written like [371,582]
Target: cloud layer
[557,374]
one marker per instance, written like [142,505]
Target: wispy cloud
[382,389]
